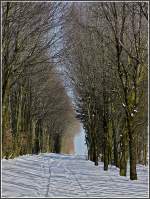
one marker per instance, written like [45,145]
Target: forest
[99,51]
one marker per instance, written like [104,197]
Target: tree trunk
[116,159]
[95,157]
[123,155]
[105,158]
[115,151]
[91,154]
[57,143]
[123,163]
[132,153]
[145,154]
[105,145]
[36,148]
[95,154]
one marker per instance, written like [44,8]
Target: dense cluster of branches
[106,61]
[36,109]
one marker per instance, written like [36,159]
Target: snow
[123,105]
[55,175]
[132,115]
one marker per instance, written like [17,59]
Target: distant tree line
[106,58]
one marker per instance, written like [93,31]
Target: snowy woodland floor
[53,175]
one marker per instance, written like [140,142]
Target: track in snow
[53,175]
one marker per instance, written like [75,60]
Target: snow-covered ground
[53,175]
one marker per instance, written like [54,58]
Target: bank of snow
[52,175]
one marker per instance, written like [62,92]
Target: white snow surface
[58,175]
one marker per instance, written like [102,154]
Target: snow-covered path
[53,175]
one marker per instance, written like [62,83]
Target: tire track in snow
[25,177]
[47,162]
[78,182]
[49,179]
[54,175]
[59,164]
[70,172]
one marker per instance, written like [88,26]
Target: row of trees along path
[101,50]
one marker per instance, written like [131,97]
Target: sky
[79,143]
